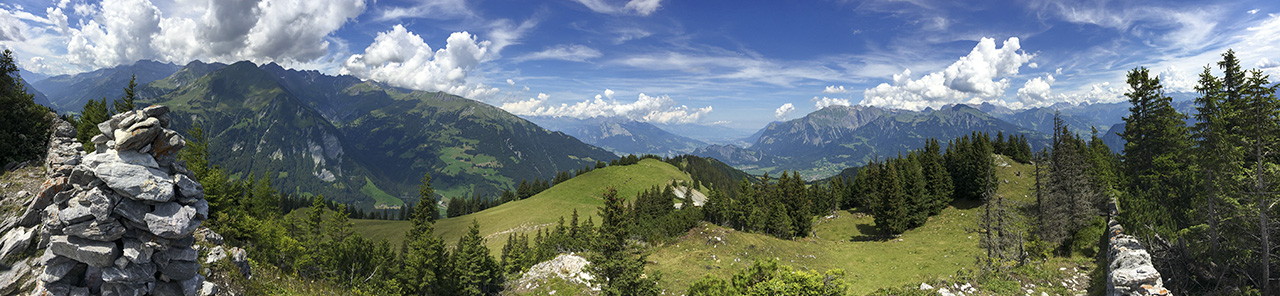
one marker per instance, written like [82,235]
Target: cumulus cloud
[608,93]
[655,109]
[565,52]
[825,102]
[978,77]
[1035,92]
[10,27]
[401,58]
[511,82]
[1266,63]
[1176,80]
[640,7]
[832,89]
[783,111]
[123,31]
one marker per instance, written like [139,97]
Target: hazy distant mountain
[71,92]
[31,77]
[829,140]
[1041,120]
[264,119]
[40,98]
[709,133]
[620,135]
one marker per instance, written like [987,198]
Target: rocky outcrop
[1129,270]
[118,221]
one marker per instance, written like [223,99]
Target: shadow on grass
[868,233]
[965,204]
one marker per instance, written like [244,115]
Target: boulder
[217,253]
[188,189]
[101,204]
[138,135]
[137,182]
[136,251]
[94,253]
[125,289]
[130,273]
[240,258]
[172,220]
[179,270]
[108,128]
[96,230]
[58,267]
[167,144]
[155,110]
[15,241]
[74,213]
[132,210]
[35,207]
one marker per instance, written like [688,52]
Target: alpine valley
[352,141]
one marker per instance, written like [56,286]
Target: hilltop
[580,193]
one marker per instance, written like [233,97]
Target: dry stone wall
[119,221]
[1129,271]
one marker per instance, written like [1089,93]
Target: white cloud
[511,82]
[432,9]
[1266,63]
[825,102]
[117,32]
[401,58]
[608,93]
[832,89]
[566,52]
[640,7]
[10,27]
[655,109]
[978,77]
[1253,11]
[644,7]
[1176,80]
[1035,92]
[783,111]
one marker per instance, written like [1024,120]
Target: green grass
[942,247]
[378,195]
[542,210]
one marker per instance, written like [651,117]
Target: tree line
[1203,197]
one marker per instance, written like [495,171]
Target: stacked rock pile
[1130,271]
[124,225]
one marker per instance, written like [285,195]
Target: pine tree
[476,272]
[126,103]
[426,263]
[93,112]
[616,270]
[1154,157]
[1259,119]
[427,200]
[24,125]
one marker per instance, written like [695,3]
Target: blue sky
[735,63]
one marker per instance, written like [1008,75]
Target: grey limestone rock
[94,253]
[137,182]
[172,220]
[96,230]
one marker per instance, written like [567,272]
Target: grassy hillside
[847,241]
[542,210]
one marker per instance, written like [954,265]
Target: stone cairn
[124,223]
[1129,271]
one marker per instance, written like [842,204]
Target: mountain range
[620,135]
[350,140]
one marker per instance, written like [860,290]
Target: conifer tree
[476,272]
[126,103]
[1154,157]
[426,263]
[23,124]
[616,270]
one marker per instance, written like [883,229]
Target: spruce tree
[126,103]
[426,263]
[24,125]
[616,270]
[1154,157]
[476,272]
